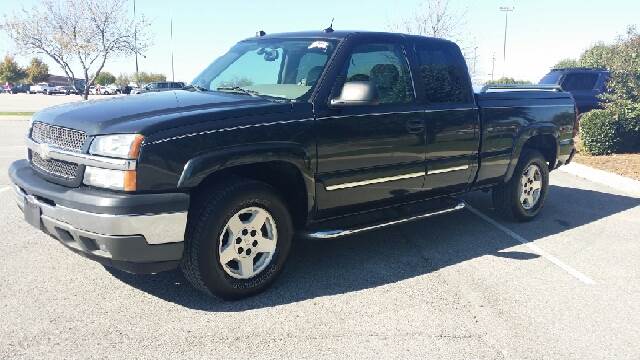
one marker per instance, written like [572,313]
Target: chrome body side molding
[442,171]
[375,181]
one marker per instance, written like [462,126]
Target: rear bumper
[135,233]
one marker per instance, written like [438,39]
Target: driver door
[371,155]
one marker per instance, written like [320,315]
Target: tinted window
[385,66]
[552,78]
[443,73]
[579,81]
[163,85]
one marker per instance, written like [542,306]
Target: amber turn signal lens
[130,180]
[136,145]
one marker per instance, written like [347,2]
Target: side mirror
[356,93]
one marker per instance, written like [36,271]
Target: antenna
[330,28]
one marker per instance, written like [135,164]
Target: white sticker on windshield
[319,45]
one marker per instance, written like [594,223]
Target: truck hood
[152,112]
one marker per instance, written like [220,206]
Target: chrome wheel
[530,187]
[247,243]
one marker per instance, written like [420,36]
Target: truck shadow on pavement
[324,268]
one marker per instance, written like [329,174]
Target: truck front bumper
[138,233]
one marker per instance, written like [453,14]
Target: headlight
[110,179]
[123,146]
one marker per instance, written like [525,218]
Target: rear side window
[579,81]
[443,73]
[552,78]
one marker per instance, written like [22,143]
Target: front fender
[523,136]
[200,167]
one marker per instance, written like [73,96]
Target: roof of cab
[339,35]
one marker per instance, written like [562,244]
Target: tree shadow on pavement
[325,268]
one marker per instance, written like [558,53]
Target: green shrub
[598,132]
[604,132]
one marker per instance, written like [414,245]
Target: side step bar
[336,233]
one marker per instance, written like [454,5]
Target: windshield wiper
[238,89]
[195,87]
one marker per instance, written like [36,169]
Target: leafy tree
[123,80]
[105,78]
[80,35]
[37,71]
[145,78]
[597,56]
[508,81]
[10,71]
[622,59]
[567,64]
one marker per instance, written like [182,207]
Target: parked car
[65,90]
[19,88]
[112,89]
[42,88]
[160,86]
[337,134]
[585,84]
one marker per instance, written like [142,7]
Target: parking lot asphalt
[461,286]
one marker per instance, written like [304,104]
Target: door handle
[415,126]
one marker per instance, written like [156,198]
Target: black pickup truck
[287,136]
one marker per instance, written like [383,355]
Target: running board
[336,233]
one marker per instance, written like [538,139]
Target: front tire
[238,239]
[522,197]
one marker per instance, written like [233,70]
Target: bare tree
[433,18]
[78,34]
[437,18]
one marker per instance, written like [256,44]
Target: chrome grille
[67,139]
[54,167]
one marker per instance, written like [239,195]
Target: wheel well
[284,177]
[546,144]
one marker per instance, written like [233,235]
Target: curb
[15,117]
[623,183]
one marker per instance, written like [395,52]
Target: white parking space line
[575,273]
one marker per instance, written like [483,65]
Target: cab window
[385,66]
[443,73]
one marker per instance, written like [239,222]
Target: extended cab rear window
[579,81]
[443,73]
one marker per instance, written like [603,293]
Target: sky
[540,32]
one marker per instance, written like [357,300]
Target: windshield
[281,68]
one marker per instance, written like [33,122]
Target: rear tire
[247,225]
[522,197]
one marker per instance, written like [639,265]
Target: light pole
[475,59]
[506,10]
[135,41]
[173,77]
